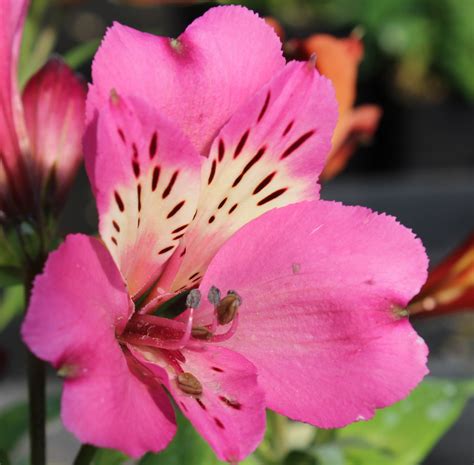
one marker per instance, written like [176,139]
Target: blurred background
[418,165]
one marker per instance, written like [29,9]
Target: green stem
[85,455]
[37,403]
[36,397]
[278,425]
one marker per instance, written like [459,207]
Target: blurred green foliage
[430,42]
[14,421]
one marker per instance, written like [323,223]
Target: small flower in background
[338,60]
[450,285]
[40,130]
[292,308]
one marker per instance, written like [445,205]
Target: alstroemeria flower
[192,144]
[40,130]
[450,285]
[338,59]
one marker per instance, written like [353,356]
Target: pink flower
[40,130]
[192,144]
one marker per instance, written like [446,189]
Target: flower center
[168,337]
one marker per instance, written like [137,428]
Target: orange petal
[337,59]
[354,127]
[276,26]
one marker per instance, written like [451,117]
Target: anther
[193,299]
[214,295]
[201,332]
[189,384]
[227,308]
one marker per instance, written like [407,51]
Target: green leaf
[11,304]
[404,433]
[81,54]
[108,457]
[14,421]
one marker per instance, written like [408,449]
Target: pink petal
[197,80]
[54,105]
[230,412]
[145,175]
[78,305]
[13,141]
[268,155]
[322,285]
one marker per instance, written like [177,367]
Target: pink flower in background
[202,153]
[40,130]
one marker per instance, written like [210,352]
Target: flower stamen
[189,384]
[227,307]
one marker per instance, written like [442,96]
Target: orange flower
[450,285]
[338,59]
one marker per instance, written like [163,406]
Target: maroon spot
[194,275]
[166,249]
[178,237]
[136,168]
[170,185]
[183,406]
[139,196]
[221,150]
[297,144]
[219,370]
[119,201]
[195,213]
[155,178]
[177,355]
[272,196]
[116,226]
[264,108]
[211,219]
[288,128]
[114,240]
[233,208]
[213,172]
[199,401]
[134,150]
[176,209]
[241,143]
[138,222]
[153,145]
[231,403]
[249,165]
[223,201]
[183,252]
[177,230]
[219,423]
[122,135]
[264,183]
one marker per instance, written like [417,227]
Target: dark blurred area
[419,67]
